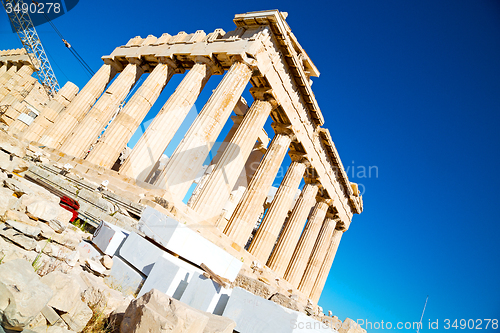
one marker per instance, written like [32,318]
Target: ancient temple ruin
[289,242]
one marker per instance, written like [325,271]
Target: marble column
[188,157]
[81,104]
[222,179]
[115,138]
[320,281]
[265,238]
[241,185]
[306,242]
[86,133]
[148,150]
[247,211]
[203,179]
[280,258]
[317,256]
[50,112]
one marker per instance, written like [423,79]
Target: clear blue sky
[410,87]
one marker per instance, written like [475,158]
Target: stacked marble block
[140,265]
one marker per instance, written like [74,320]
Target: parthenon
[289,241]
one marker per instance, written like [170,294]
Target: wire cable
[73,51]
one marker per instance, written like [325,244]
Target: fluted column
[88,130]
[189,156]
[280,258]
[201,183]
[115,138]
[148,150]
[74,113]
[221,180]
[247,211]
[265,238]
[320,281]
[241,185]
[318,255]
[50,112]
[305,245]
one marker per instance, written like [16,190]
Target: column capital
[283,129]
[299,157]
[115,64]
[265,94]
[243,58]
[212,65]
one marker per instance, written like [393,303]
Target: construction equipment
[21,21]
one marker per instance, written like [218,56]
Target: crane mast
[21,21]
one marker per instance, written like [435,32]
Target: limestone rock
[12,145]
[65,288]
[107,261]
[46,211]
[156,312]
[7,200]
[26,229]
[78,316]
[22,295]
[17,237]
[17,186]
[95,266]
[19,217]
[254,286]
[219,324]
[349,326]
[285,301]
[48,329]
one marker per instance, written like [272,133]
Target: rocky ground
[50,282]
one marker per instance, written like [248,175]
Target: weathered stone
[19,187]
[156,312]
[11,163]
[17,237]
[7,200]
[95,266]
[78,316]
[285,301]
[19,217]
[43,210]
[51,315]
[254,286]
[12,145]
[22,295]
[107,261]
[124,277]
[24,228]
[65,288]
[49,329]
[57,225]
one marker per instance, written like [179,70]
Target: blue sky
[409,87]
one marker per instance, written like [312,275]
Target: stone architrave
[81,104]
[148,150]
[305,246]
[115,138]
[280,258]
[248,209]
[265,238]
[188,157]
[317,256]
[221,181]
[88,130]
[326,266]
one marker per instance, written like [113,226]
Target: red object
[70,205]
